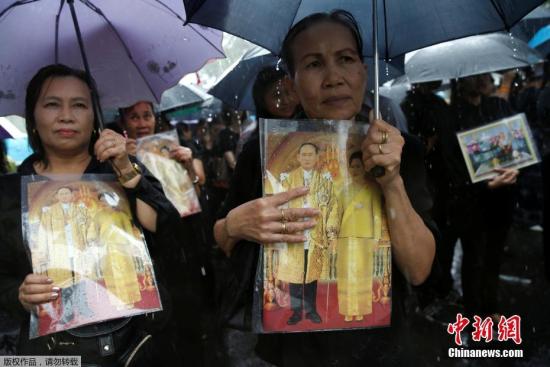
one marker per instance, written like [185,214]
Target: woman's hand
[181,154]
[131,146]
[112,146]
[382,147]
[506,176]
[37,289]
[263,221]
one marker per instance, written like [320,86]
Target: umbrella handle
[376,171]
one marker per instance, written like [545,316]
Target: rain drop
[185,39]
[277,66]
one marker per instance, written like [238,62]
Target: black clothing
[479,216]
[427,114]
[335,348]
[227,141]
[15,262]
[543,113]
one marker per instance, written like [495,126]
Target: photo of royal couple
[340,277]
[81,235]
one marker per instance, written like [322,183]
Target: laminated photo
[81,234]
[507,143]
[340,277]
[154,152]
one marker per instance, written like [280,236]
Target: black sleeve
[413,172]
[237,272]
[228,141]
[149,190]
[246,182]
[14,261]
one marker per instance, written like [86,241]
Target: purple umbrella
[135,49]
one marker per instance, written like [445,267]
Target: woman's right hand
[37,289]
[263,221]
[131,146]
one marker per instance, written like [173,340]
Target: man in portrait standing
[301,264]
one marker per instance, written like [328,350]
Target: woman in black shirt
[323,54]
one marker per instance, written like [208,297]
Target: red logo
[508,328]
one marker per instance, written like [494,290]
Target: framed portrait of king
[340,277]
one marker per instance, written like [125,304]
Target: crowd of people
[205,263]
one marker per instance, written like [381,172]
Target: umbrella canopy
[403,25]
[179,96]
[531,23]
[468,56]
[541,40]
[136,49]
[9,130]
[234,86]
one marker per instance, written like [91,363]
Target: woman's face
[140,120]
[356,170]
[64,115]
[279,100]
[330,77]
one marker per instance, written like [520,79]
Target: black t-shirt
[474,203]
[334,348]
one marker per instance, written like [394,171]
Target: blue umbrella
[540,40]
[134,49]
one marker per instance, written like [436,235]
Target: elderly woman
[139,121]
[323,54]
[64,136]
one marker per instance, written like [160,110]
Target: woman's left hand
[112,146]
[181,154]
[382,147]
[506,177]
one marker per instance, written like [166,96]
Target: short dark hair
[34,88]
[355,155]
[122,111]
[311,144]
[264,80]
[337,16]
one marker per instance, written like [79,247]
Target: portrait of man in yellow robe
[62,237]
[301,264]
[154,152]
[360,231]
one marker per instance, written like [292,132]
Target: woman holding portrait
[63,133]
[323,54]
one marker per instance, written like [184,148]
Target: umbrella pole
[376,61]
[95,96]
[376,171]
